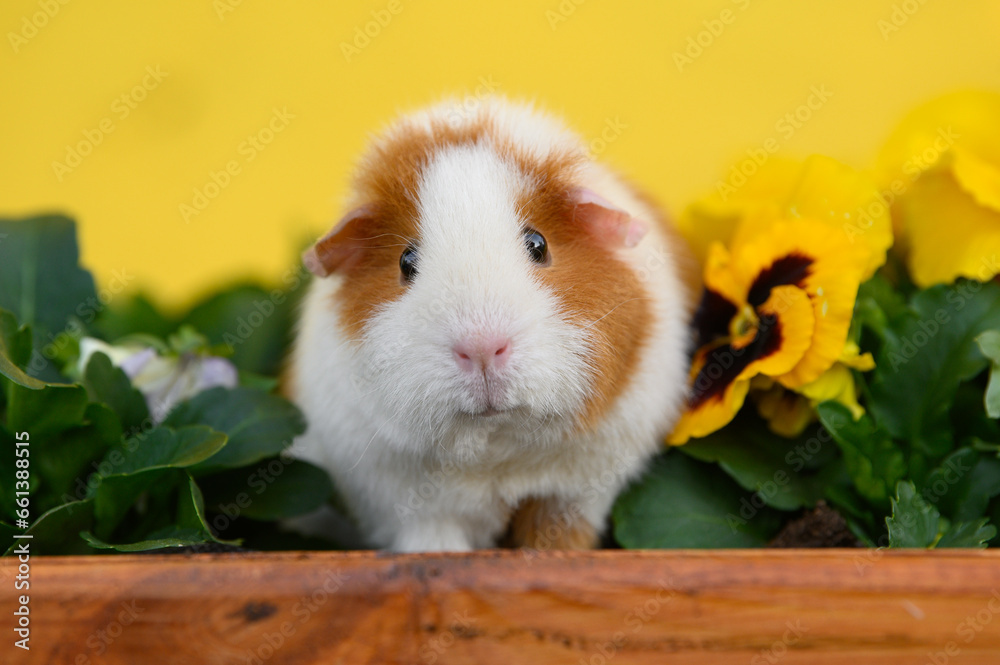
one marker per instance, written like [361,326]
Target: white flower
[164,381]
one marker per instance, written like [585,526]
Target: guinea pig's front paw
[431,536]
[550,524]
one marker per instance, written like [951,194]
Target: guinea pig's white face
[476,342]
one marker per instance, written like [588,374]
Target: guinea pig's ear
[340,248]
[606,222]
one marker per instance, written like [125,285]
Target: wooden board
[510,607]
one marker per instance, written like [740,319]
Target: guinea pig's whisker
[383,235]
[593,323]
[369,444]
[385,246]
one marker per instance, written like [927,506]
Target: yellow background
[605,62]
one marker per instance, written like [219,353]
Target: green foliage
[783,472]
[43,286]
[989,344]
[919,469]
[15,347]
[873,460]
[682,503]
[259,425]
[103,475]
[928,353]
[917,523]
[109,384]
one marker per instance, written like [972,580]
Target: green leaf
[66,433]
[968,534]
[149,461]
[963,484]
[41,281]
[166,538]
[681,503]
[993,513]
[45,412]
[914,522]
[874,462]
[254,322]
[969,421]
[840,491]
[259,381]
[275,489]
[131,314]
[989,344]
[763,462]
[926,356]
[15,351]
[110,385]
[116,495]
[879,305]
[57,531]
[164,447]
[259,425]
[187,526]
[63,462]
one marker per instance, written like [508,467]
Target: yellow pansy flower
[941,170]
[789,412]
[778,304]
[820,189]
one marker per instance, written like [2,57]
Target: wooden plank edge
[503,606]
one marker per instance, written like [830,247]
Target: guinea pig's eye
[538,249]
[408,263]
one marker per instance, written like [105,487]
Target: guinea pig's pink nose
[475,354]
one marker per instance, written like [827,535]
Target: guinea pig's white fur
[389,412]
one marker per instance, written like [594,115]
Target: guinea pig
[496,339]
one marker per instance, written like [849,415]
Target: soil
[821,527]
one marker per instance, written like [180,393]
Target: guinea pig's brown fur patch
[547,524]
[387,181]
[598,290]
